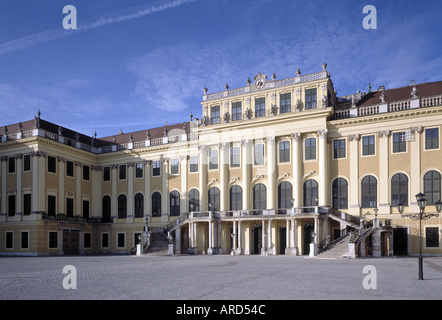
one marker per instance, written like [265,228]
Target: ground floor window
[432,237]
[53,240]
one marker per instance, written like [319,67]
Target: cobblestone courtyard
[224,277]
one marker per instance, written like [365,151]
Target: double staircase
[337,249]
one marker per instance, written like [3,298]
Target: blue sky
[134,64]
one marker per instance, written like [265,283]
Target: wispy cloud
[92,23]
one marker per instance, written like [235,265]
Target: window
[11,205]
[432,187]
[214,115]
[106,209]
[399,143]
[69,207]
[51,205]
[432,138]
[156,169]
[9,240]
[236,111]
[122,206]
[174,164]
[121,240]
[432,237]
[368,145]
[193,164]
[214,199]
[139,170]
[27,162]
[213,159]
[369,187]
[24,240]
[139,205]
[85,209]
[26,204]
[105,240]
[399,189]
[259,196]
[87,240]
[284,151]
[106,174]
[285,102]
[174,203]
[340,193]
[194,200]
[52,164]
[310,193]
[122,172]
[156,204]
[86,173]
[260,107]
[339,149]
[235,157]
[235,198]
[259,154]
[310,98]
[53,240]
[310,149]
[69,168]
[285,195]
[11,165]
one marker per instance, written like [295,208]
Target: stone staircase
[159,244]
[336,250]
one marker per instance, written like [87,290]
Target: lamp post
[421,202]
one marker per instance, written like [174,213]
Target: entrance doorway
[308,230]
[282,240]
[256,239]
[70,242]
[400,241]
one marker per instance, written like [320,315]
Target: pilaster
[353,187]
[383,183]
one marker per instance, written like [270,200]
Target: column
[218,242]
[269,232]
[323,169]
[353,188]
[18,170]
[239,238]
[297,168]
[183,194]
[287,236]
[78,178]
[415,165]
[4,196]
[130,193]
[203,176]
[234,237]
[263,238]
[383,183]
[209,250]
[114,200]
[165,191]
[147,195]
[224,169]
[246,167]
[178,241]
[271,167]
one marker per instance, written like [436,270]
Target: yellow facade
[274,158]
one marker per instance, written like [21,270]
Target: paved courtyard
[184,277]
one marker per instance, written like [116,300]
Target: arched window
[122,206]
[156,204]
[399,189]
[194,200]
[432,187]
[285,195]
[259,196]
[214,198]
[369,186]
[139,205]
[106,209]
[235,198]
[340,193]
[310,193]
[174,203]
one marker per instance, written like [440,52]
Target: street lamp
[421,202]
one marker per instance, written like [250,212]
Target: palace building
[274,167]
